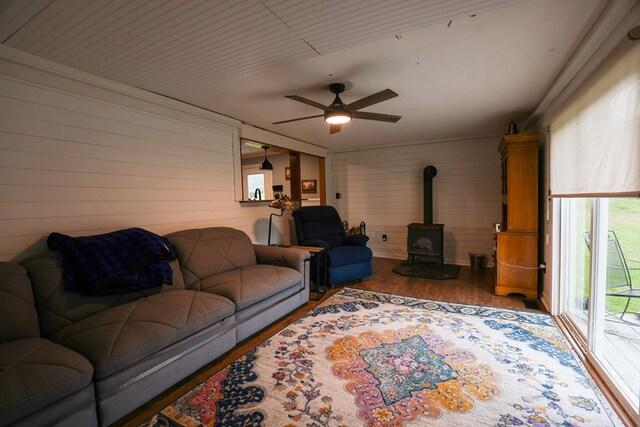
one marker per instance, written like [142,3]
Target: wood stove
[425,241]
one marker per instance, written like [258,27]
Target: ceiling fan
[338,113]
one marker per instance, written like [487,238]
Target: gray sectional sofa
[41,382]
[122,350]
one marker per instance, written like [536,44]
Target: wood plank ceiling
[240,57]
[201,42]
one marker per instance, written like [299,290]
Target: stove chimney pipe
[427,200]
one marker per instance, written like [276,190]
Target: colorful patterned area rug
[370,359]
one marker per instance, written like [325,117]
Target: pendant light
[266,164]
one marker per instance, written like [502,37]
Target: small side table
[318,269]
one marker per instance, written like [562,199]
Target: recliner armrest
[288,257]
[356,240]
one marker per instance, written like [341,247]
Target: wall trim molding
[495,137]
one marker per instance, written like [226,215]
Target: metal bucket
[476,261]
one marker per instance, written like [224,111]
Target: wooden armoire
[517,242]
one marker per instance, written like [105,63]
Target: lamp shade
[266,164]
[284,203]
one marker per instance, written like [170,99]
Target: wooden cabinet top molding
[518,140]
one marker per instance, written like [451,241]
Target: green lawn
[624,219]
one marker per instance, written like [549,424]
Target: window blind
[595,139]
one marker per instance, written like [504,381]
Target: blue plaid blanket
[123,261]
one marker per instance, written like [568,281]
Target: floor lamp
[284,203]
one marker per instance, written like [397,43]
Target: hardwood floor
[470,287]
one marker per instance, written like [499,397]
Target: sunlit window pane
[603,302]
[620,347]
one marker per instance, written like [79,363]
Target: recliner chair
[348,258]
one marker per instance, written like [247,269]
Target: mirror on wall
[269,172]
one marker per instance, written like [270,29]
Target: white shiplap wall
[383,187]
[82,155]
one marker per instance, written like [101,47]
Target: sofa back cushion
[18,316]
[208,251]
[58,307]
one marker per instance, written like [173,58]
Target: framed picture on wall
[287,174]
[309,186]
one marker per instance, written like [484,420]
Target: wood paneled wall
[82,155]
[383,187]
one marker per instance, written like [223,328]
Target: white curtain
[595,139]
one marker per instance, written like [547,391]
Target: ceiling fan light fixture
[338,113]
[266,164]
[337,117]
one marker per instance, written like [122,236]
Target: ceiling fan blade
[306,101]
[375,116]
[383,95]
[335,129]
[299,118]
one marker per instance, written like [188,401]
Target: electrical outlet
[384,237]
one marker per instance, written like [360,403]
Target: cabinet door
[505,194]
[522,189]
[517,262]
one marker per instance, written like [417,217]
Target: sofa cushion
[247,285]
[120,336]
[18,316]
[58,308]
[345,255]
[208,251]
[35,372]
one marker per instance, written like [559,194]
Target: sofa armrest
[288,257]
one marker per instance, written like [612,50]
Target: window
[595,182]
[258,183]
[600,285]
[290,167]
